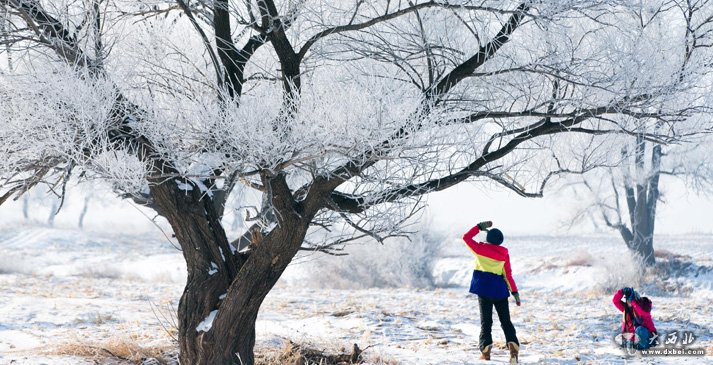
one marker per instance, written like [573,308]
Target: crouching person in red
[637,328]
[492,282]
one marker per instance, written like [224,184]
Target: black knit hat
[495,236]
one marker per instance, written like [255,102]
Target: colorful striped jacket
[492,276]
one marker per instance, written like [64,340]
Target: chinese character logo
[671,338]
[687,338]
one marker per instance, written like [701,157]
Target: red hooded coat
[638,315]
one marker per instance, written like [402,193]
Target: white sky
[465,205]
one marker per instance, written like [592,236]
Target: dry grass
[121,351]
[95,319]
[116,350]
[580,258]
[664,254]
[297,354]
[104,272]
[671,269]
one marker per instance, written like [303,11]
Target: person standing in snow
[492,282]
[637,327]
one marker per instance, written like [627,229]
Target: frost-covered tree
[340,114]
[625,198]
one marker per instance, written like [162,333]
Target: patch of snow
[201,186]
[184,186]
[207,323]
[453,271]
[213,268]
[130,121]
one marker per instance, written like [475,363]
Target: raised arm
[468,236]
[617,300]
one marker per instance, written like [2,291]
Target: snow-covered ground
[69,291]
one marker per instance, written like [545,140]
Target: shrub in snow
[621,271]
[397,263]
[581,258]
[104,271]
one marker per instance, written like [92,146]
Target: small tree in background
[625,198]
[340,115]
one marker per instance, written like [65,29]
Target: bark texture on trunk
[642,195]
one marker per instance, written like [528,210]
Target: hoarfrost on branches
[339,116]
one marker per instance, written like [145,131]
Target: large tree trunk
[651,203]
[223,284]
[235,321]
[643,246]
[641,202]
[209,260]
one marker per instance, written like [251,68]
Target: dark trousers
[486,320]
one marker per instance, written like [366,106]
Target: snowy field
[66,292]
